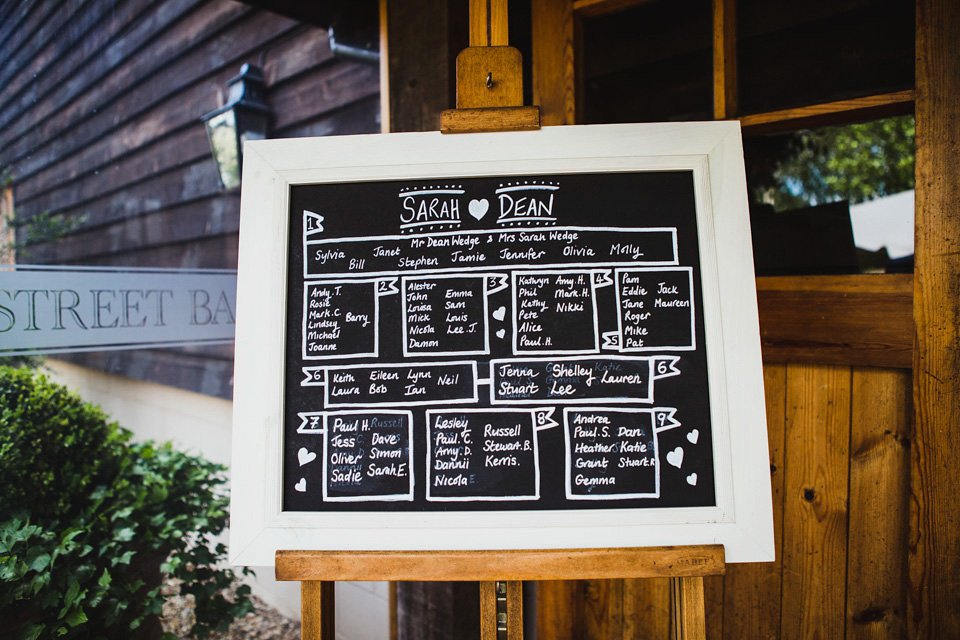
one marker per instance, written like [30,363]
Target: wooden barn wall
[100,105]
[840,434]
[840,470]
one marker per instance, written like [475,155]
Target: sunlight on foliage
[856,162]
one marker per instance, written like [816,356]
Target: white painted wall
[201,424]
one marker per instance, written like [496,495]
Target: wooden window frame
[851,320]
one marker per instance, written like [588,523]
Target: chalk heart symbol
[692,479]
[501,333]
[478,208]
[305,456]
[301,486]
[693,436]
[500,314]
[675,457]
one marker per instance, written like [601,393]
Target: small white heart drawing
[301,486]
[478,208]
[500,314]
[692,479]
[305,456]
[501,333]
[675,457]
[693,436]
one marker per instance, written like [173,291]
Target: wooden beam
[565,564]
[594,8]
[856,320]
[554,62]
[490,119]
[935,451]
[384,68]
[724,59]
[420,54]
[839,112]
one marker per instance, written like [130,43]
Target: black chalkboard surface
[521,342]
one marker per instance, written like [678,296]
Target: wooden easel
[317,571]
[490,98]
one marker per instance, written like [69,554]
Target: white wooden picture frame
[742,520]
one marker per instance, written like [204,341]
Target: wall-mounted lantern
[244,117]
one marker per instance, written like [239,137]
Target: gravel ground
[265,623]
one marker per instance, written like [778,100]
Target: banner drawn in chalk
[367,455]
[555,311]
[342,318]
[444,252]
[655,310]
[312,224]
[484,454]
[581,379]
[613,453]
[404,385]
[445,315]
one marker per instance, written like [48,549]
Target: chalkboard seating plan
[491,341]
[507,342]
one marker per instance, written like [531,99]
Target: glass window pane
[834,199]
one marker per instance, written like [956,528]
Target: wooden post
[488,23]
[554,60]
[419,47]
[724,59]
[689,621]
[317,619]
[934,601]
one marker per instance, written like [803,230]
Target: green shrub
[53,446]
[89,523]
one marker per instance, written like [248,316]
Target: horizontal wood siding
[100,105]
[839,468]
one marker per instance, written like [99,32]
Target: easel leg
[689,619]
[501,610]
[317,610]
